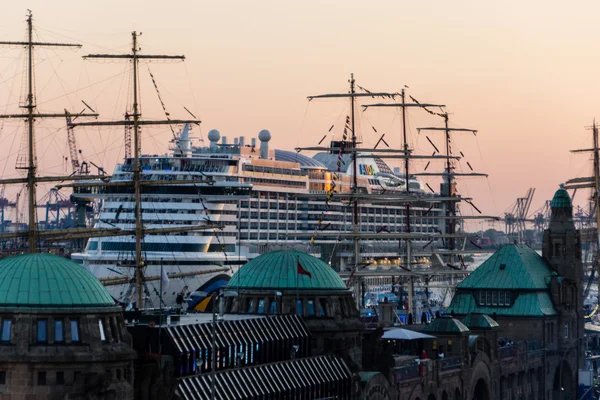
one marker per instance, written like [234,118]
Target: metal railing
[451,363]
[409,371]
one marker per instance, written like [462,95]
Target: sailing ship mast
[449,180]
[134,120]
[593,183]
[30,117]
[352,95]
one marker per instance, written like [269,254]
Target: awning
[314,374]
[405,334]
[193,337]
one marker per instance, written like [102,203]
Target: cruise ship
[261,199]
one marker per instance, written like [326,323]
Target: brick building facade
[61,336]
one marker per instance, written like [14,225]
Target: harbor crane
[516,217]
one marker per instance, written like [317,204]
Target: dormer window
[494,298]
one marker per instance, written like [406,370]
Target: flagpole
[297,264]
[161,309]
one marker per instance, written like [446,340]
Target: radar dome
[264,135]
[214,135]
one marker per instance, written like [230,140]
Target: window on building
[507,298]
[322,308]
[489,297]
[2,377]
[566,330]
[41,378]
[501,298]
[299,307]
[261,306]
[6,330]
[60,378]
[59,331]
[311,308]
[101,329]
[494,298]
[273,307]
[74,330]
[481,297]
[42,330]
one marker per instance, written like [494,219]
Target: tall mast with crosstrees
[134,120]
[30,116]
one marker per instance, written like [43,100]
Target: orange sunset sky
[525,74]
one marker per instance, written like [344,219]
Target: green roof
[514,267]
[478,320]
[527,304]
[446,325]
[279,270]
[49,281]
[561,199]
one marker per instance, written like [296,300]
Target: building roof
[279,270]
[49,281]
[196,337]
[477,320]
[446,325]
[527,304]
[276,378]
[513,267]
[561,199]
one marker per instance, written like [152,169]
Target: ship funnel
[253,142]
[183,146]
[235,141]
[224,140]
[242,141]
[214,137]
[264,136]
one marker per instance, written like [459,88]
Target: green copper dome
[49,281]
[561,199]
[279,270]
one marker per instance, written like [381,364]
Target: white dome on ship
[214,135]
[264,135]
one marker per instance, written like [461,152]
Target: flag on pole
[302,271]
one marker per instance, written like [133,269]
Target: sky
[524,74]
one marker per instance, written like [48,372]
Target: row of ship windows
[169,247]
[281,182]
[270,170]
[150,221]
[286,204]
[145,210]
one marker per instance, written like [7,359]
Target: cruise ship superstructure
[261,198]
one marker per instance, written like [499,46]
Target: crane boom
[72,143]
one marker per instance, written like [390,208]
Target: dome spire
[561,198]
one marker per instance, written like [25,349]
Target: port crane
[516,217]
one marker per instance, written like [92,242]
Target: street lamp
[227,293]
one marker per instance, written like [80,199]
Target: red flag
[302,271]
